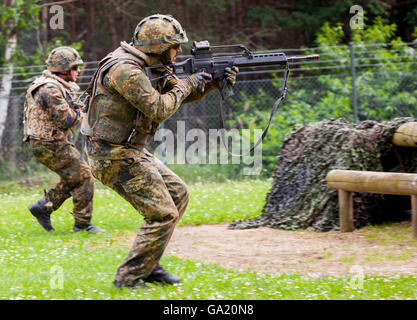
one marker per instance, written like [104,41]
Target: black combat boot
[41,214]
[88,227]
[159,274]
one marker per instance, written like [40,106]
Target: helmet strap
[165,57]
[67,75]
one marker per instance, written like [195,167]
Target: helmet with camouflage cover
[62,59]
[156,33]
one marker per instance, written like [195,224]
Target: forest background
[259,24]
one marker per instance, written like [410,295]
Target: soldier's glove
[199,80]
[230,74]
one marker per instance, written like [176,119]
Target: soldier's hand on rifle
[230,74]
[200,80]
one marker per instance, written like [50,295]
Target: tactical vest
[37,121]
[110,117]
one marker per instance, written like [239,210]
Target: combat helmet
[157,33]
[62,59]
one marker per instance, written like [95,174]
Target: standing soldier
[124,111]
[50,114]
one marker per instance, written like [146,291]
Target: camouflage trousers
[155,192]
[76,179]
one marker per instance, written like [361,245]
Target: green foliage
[326,98]
[309,16]
[39,56]
[19,16]
[385,80]
[411,17]
[385,73]
[22,16]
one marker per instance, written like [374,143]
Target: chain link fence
[376,82]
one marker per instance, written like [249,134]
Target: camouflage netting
[300,198]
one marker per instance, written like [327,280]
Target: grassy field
[35,264]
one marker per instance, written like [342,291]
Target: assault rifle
[204,60]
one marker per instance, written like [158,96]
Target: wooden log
[346,211]
[414,215]
[406,135]
[348,181]
[373,182]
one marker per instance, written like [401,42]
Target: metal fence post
[353,74]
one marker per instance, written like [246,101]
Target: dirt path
[389,251]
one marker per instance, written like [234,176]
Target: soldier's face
[174,52]
[74,72]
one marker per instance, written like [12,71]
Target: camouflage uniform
[124,110]
[50,114]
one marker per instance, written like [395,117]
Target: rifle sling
[274,108]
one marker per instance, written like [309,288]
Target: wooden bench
[348,181]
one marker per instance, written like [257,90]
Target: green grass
[92,275]
[225,202]
[209,203]
[35,264]
[193,173]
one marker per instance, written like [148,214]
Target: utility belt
[136,140]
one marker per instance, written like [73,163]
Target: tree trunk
[45,24]
[239,16]
[73,23]
[184,6]
[13,129]
[91,29]
[112,30]
[6,81]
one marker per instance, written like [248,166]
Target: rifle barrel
[306,57]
